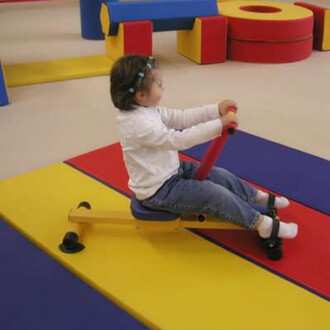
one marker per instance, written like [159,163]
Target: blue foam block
[297,175]
[90,19]
[38,293]
[166,15]
[3,90]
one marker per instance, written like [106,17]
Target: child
[151,137]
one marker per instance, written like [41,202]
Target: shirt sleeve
[179,119]
[156,135]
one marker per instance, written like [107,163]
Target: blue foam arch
[166,15]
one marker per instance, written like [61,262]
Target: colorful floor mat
[306,262]
[179,280]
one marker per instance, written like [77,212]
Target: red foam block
[319,17]
[138,37]
[214,39]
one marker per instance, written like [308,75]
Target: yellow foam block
[189,42]
[56,70]
[114,45]
[166,280]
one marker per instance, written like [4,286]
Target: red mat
[306,261]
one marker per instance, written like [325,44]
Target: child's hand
[229,118]
[224,105]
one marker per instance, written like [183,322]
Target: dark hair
[129,74]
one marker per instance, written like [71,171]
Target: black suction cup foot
[70,243]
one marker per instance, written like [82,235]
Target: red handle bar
[213,151]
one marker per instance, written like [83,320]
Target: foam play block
[206,42]
[321,25]
[267,21]
[46,295]
[267,32]
[269,52]
[90,19]
[305,257]
[4,100]
[166,280]
[132,38]
[56,70]
[189,43]
[166,15]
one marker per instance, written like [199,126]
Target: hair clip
[141,75]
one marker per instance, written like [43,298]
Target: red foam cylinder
[262,30]
[269,52]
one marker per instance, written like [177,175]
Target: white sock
[286,230]
[280,202]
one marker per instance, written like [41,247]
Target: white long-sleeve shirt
[151,138]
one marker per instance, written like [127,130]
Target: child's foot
[286,230]
[280,202]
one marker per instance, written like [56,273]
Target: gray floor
[48,123]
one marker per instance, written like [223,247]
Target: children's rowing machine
[145,219]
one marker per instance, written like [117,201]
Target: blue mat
[297,175]
[37,293]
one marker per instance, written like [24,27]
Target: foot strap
[273,244]
[271,207]
[275,229]
[271,201]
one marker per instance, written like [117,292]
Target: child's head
[135,80]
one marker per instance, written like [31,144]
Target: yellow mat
[56,70]
[166,280]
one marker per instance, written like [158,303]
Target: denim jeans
[222,195]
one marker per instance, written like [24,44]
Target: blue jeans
[222,195]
